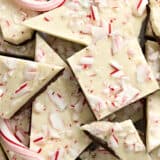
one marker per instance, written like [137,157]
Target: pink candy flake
[56,121]
[57,99]
[86,61]
[10,64]
[117,73]
[143,73]
[117,44]
[113,141]
[98,32]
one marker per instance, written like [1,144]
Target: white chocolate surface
[19,81]
[153,101]
[87,21]
[122,138]
[109,81]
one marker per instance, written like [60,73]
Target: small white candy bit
[86,61]
[57,99]
[139,147]
[85,3]
[96,102]
[117,44]
[56,121]
[10,64]
[54,134]
[2,90]
[113,141]
[30,72]
[38,107]
[158,153]
[140,7]
[143,73]
[40,55]
[72,152]
[117,127]
[21,90]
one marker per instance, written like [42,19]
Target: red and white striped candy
[87,61]
[57,99]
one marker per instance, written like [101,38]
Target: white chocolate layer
[2,156]
[20,80]
[154,16]
[60,110]
[87,21]
[109,81]
[122,138]
[23,50]
[11,19]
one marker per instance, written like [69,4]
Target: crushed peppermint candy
[56,122]
[22,90]
[57,99]
[38,107]
[143,73]
[87,61]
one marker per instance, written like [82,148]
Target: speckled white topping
[109,81]
[87,21]
[121,137]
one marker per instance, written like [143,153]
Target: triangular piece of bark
[109,81]
[153,101]
[60,110]
[121,137]
[11,19]
[20,80]
[86,22]
[45,54]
